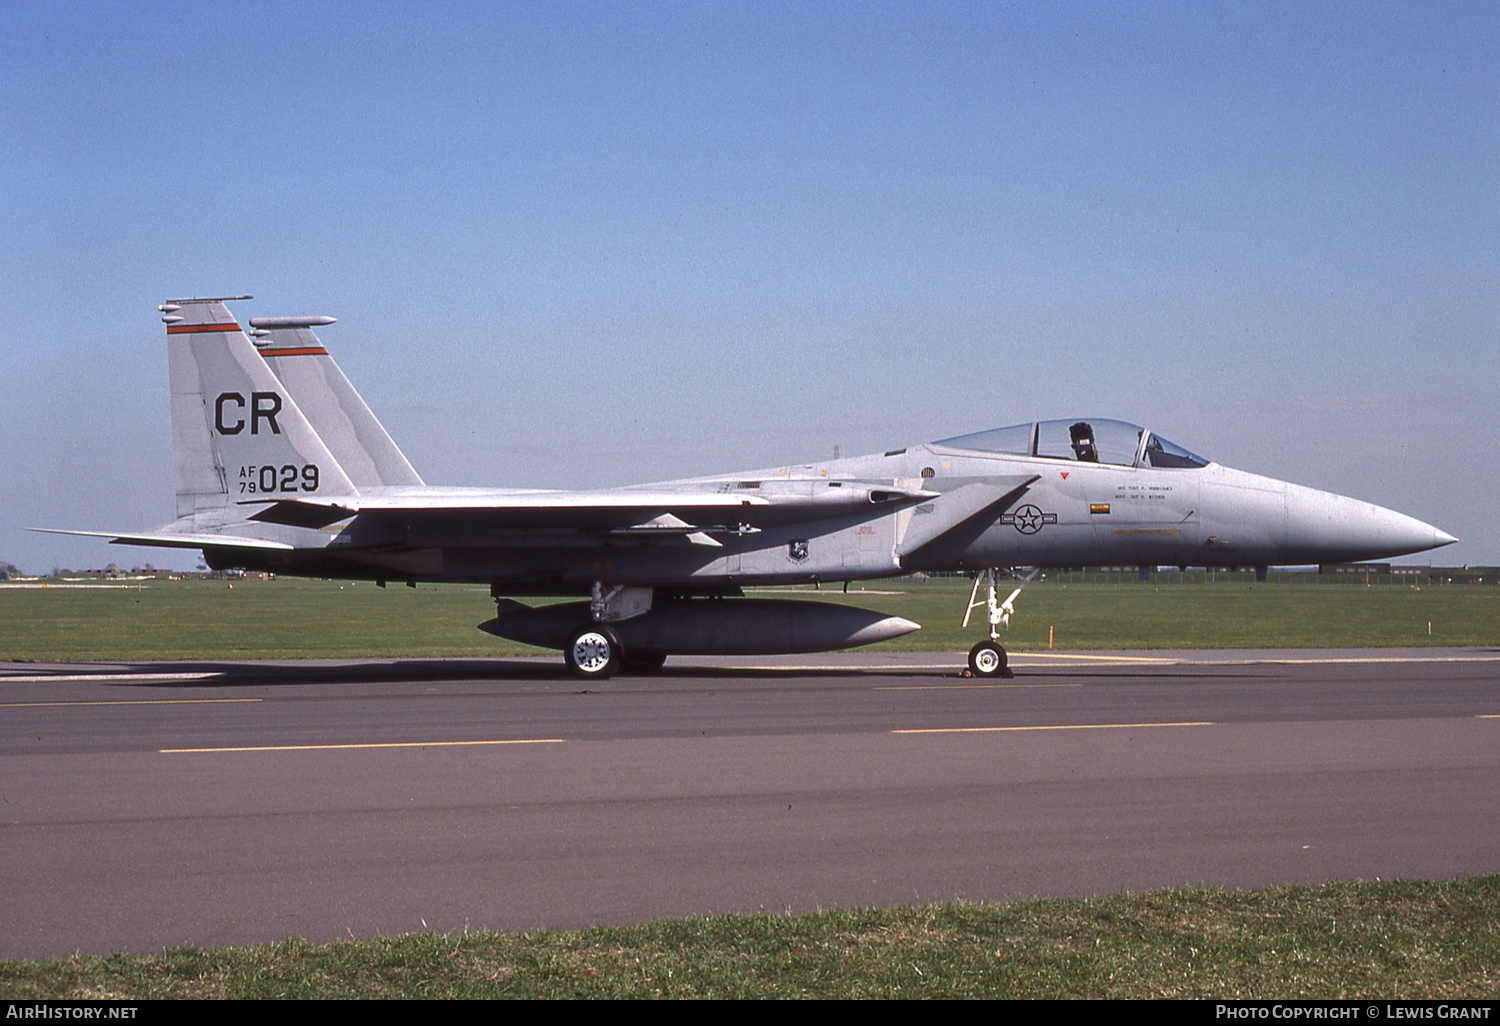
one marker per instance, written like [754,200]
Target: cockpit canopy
[1083,441]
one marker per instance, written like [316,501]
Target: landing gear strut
[594,651]
[988,658]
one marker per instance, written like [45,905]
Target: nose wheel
[988,659]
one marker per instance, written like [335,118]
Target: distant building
[1417,574]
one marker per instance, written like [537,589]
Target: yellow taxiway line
[1059,726]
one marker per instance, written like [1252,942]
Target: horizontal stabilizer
[173,541]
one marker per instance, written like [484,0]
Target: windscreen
[1162,453]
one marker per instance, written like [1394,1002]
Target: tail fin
[236,433]
[337,413]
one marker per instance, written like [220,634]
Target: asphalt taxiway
[151,805]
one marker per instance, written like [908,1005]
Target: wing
[732,508]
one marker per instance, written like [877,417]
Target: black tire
[988,659]
[593,652]
[642,662]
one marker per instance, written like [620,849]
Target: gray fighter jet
[280,466]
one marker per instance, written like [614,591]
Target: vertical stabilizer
[237,434]
[330,403]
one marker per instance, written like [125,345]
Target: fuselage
[1120,495]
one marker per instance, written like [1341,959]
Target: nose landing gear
[988,658]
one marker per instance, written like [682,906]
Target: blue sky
[580,244]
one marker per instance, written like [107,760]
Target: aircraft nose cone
[1398,534]
[1339,529]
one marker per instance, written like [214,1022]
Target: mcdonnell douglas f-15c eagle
[280,466]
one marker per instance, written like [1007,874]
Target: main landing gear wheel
[593,652]
[642,662]
[988,659]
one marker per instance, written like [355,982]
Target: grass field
[1404,939]
[316,619]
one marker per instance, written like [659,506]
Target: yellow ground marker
[1060,726]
